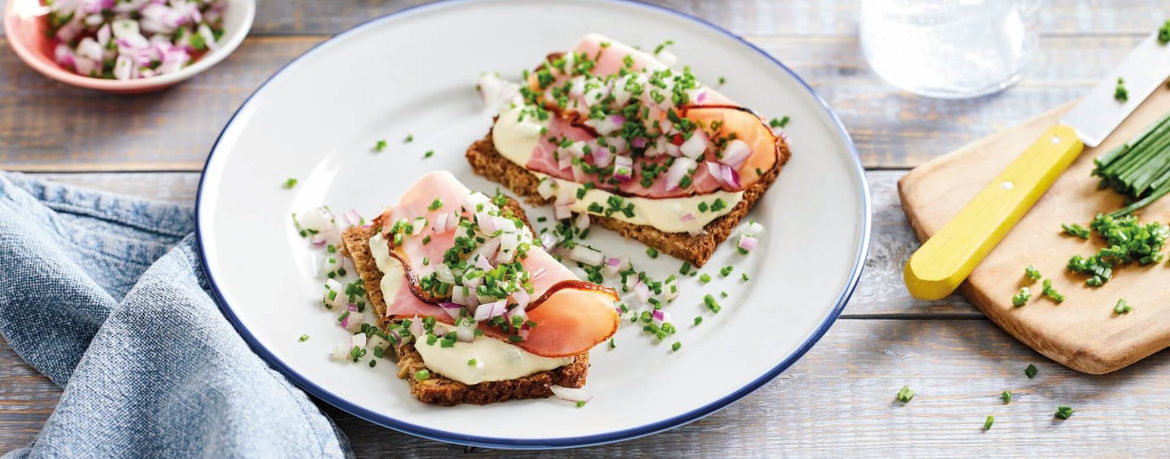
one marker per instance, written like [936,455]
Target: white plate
[413,72]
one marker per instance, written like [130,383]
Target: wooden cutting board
[1081,333]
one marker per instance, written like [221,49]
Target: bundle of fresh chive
[1139,169]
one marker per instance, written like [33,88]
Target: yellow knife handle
[949,256]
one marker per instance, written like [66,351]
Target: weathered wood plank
[760,17]
[839,399]
[879,293]
[755,17]
[46,126]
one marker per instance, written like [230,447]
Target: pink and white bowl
[25,27]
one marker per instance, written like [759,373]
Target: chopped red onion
[546,188]
[747,243]
[352,217]
[696,145]
[486,222]
[548,241]
[587,255]
[723,173]
[562,212]
[660,317]
[565,196]
[612,267]
[522,298]
[735,153]
[465,333]
[443,273]
[487,250]
[687,218]
[642,292]
[753,228]
[681,167]
[638,142]
[416,327]
[602,157]
[64,55]
[578,174]
[451,309]
[623,169]
[517,312]
[571,394]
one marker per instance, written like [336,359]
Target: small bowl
[25,30]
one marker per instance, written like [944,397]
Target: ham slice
[712,108]
[571,316]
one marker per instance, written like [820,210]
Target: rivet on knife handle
[949,256]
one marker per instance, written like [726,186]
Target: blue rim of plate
[569,442]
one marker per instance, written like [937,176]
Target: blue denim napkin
[105,295]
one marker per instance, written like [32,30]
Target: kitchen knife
[948,257]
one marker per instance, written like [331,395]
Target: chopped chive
[471,363]
[686,267]
[1075,229]
[429,154]
[1050,292]
[1022,298]
[1064,412]
[652,252]
[1006,396]
[778,123]
[726,271]
[436,204]
[422,375]
[1031,371]
[1122,307]
[745,277]
[373,363]
[303,338]
[380,145]
[426,239]
[290,183]
[704,278]
[711,303]
[580,403]
[1032,273]
[722,80]
[987,424]
[698,320]
[409,138]
[905,394]
[1120,93]
[676,346]
[611,344]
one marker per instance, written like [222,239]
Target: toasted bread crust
[485,160]
[438,389]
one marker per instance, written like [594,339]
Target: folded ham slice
[716,115]
[570,316]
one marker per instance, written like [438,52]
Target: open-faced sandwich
[475,310]
[648,151]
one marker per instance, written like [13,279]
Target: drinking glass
[949,48]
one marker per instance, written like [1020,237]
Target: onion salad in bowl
[133,39]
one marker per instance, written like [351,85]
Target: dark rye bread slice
[438,389]
[695,248]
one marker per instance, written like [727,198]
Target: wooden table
[839,399]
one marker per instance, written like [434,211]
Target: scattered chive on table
[841,397]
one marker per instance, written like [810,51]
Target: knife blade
[1098,113]
[946,259]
